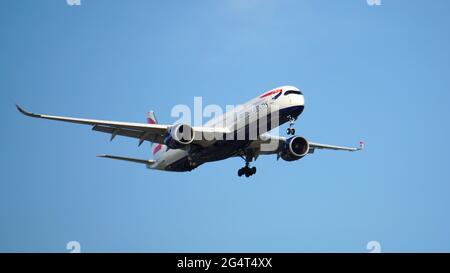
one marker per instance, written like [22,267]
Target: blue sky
[375,73]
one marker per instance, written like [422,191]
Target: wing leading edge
[142,131]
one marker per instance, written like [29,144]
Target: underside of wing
[270,144]
[339,148]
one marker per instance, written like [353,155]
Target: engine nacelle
[294,148]
[179,136]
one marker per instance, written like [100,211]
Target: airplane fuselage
[281,105]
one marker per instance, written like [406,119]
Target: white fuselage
[276,102]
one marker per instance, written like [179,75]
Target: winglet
[361,145]
[26,113]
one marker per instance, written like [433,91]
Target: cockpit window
[293,92]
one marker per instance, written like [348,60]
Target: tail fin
[151,118]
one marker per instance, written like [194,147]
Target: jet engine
[294,148]
[179,136]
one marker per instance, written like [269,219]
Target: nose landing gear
[290,130]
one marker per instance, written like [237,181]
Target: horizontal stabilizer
[135,160]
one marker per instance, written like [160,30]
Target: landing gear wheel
[247,170]
[290,130]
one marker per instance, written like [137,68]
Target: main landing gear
[290,130]
[247,170]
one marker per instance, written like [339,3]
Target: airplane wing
[269,144]
[142,131]
[333,147]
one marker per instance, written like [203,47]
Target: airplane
[182,147]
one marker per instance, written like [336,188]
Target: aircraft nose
[298,100]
